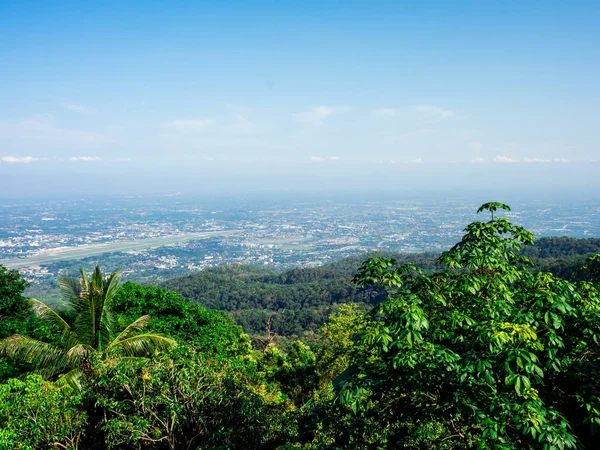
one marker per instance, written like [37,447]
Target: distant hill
[557,247]
[562,256]
[300,300]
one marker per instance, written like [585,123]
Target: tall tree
[86,330]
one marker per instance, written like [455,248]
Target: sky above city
[165,96]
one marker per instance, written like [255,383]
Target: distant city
[160,237]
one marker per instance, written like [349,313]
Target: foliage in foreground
[36,414]
[483,354]
[85,328]
[189,400]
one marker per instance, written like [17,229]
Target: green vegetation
[86,330]
[477,349]
[296,303]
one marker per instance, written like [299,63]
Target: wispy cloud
[30,159]
[18,159]
[410,161]
[85,158]
[503,159]
[78,108]
[318,115]
[324,158]
[545,160]
[435,111]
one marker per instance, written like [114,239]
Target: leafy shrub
[188,400]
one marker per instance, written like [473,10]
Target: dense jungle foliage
[480,347]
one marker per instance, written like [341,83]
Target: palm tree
[90,331]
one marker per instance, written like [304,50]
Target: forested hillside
[562,256]
[299,301]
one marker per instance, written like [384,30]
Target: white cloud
[393,161]
[78,108]
[318,115]
[435,111]
[503,159]
[18,159]
[478,160]
[536,160]
[324,158]
[545,160]
[85,158]
[30,159]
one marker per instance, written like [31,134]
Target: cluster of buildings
[278,236]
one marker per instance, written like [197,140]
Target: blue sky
[300,91]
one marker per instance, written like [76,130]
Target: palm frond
[43,311]
[109,287]
[70,291]
[116,360]
[42,356]
[79,295]
[112,285]
[79,353]
[133,328]
[75,292]
[84,327]
[142,344]
[85,285]
[75,378]
[105,329]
